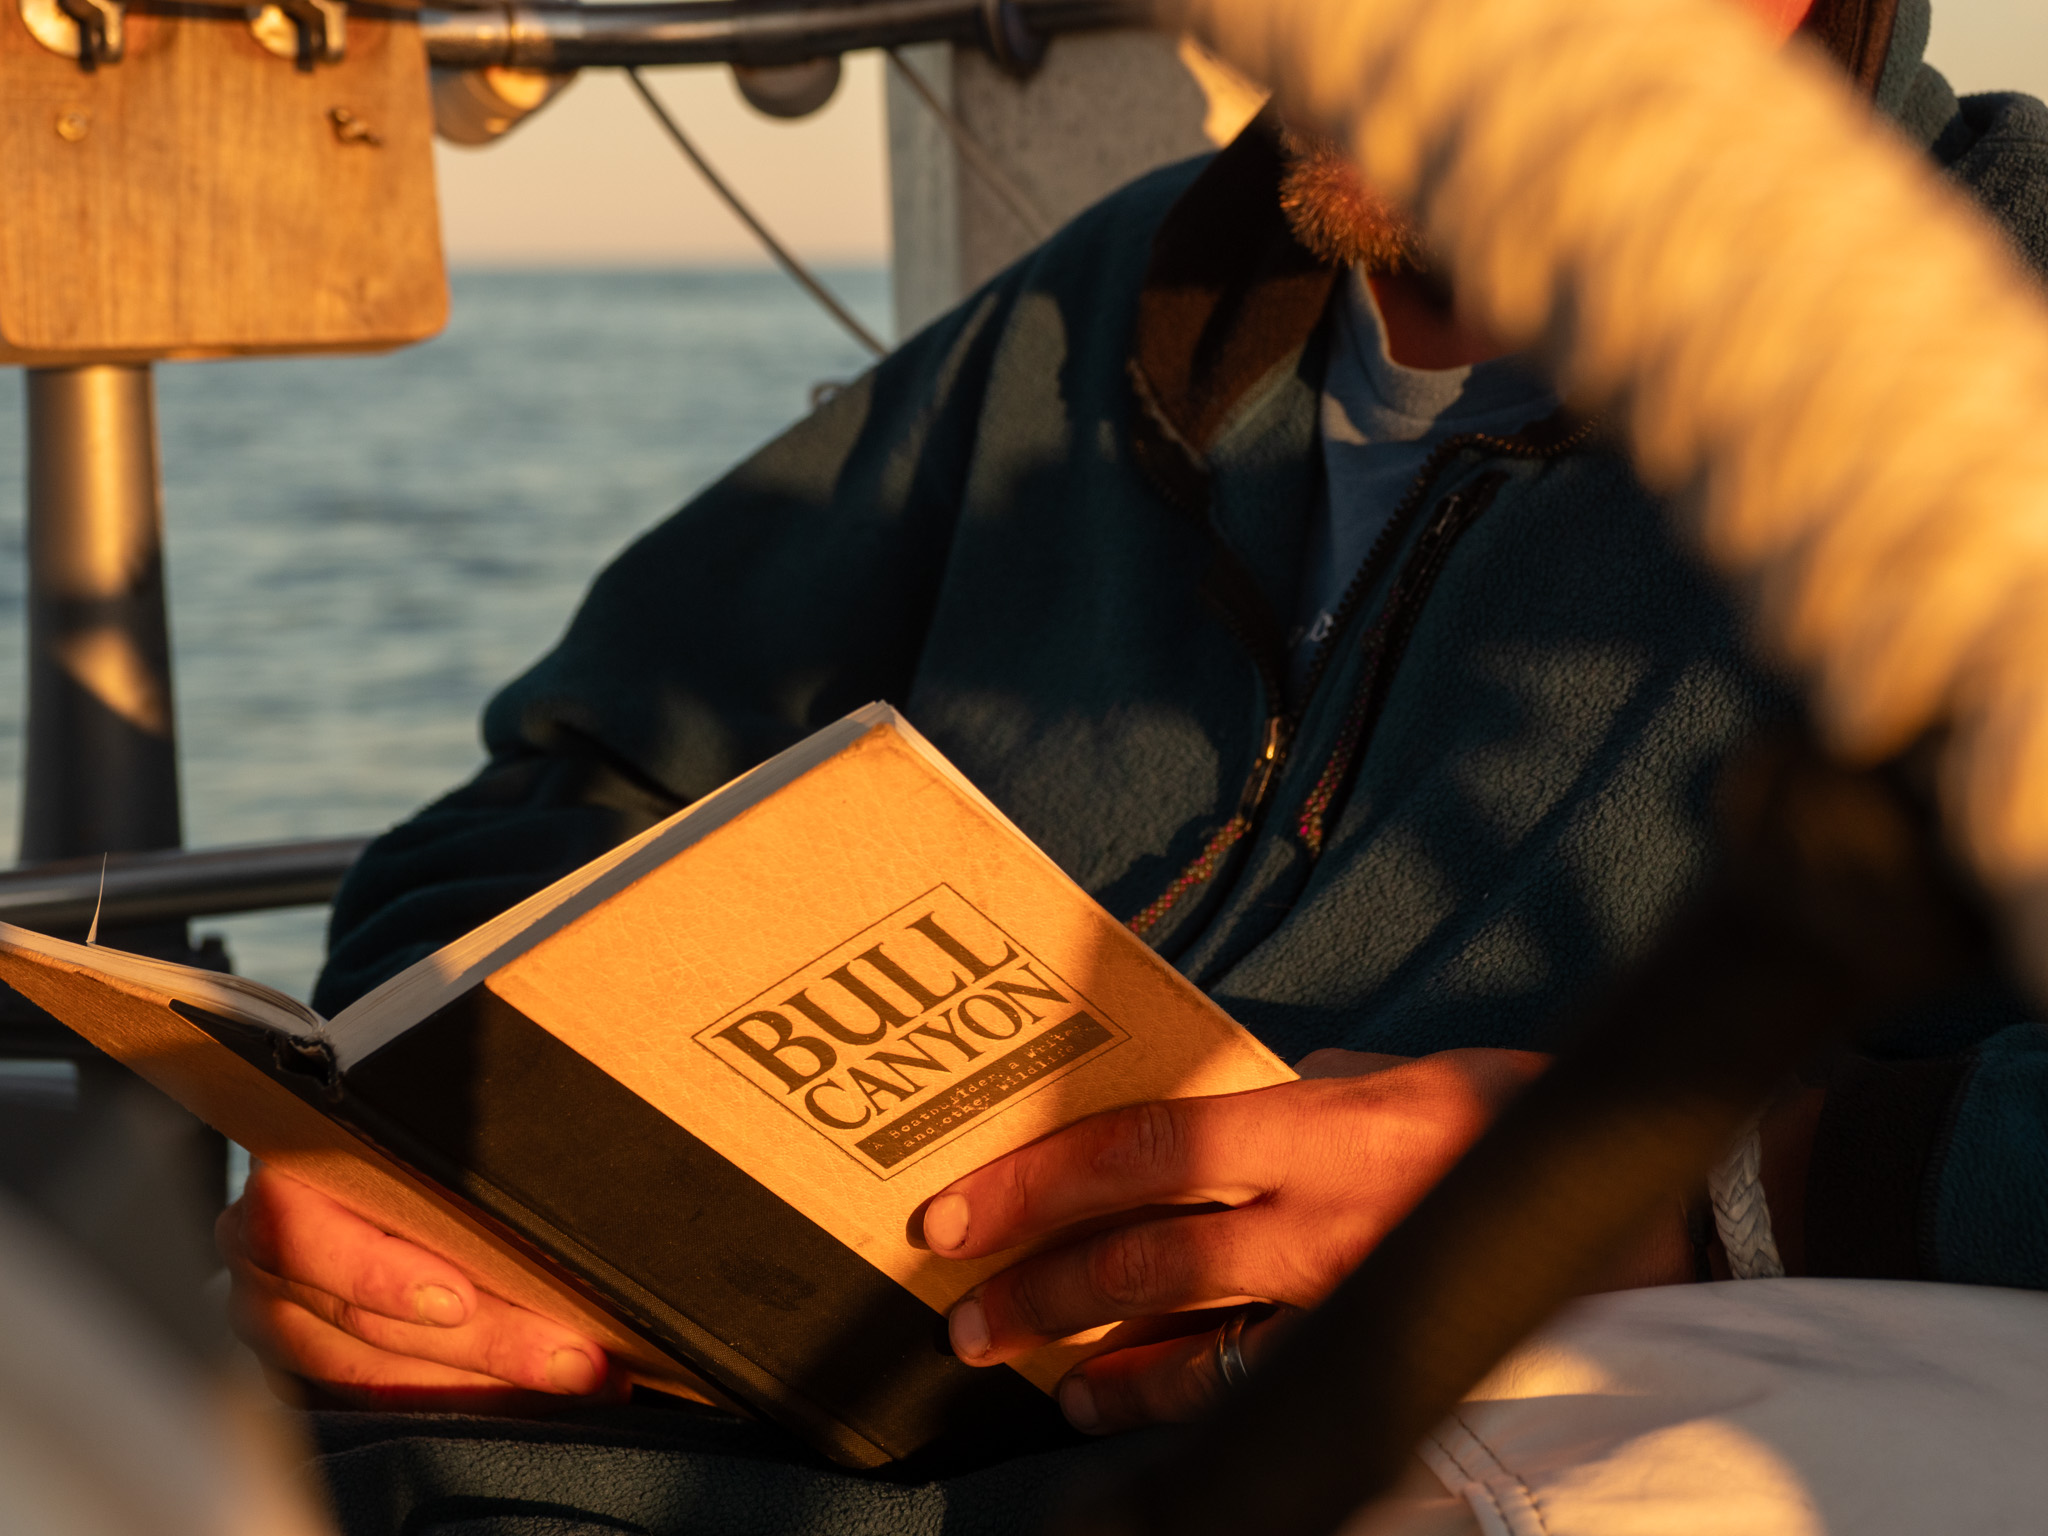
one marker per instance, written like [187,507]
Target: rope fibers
[1826,356]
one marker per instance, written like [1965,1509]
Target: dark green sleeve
[795,589]
[1936,1169]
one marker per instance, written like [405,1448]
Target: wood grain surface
[203,197]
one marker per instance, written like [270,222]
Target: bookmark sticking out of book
[92,934]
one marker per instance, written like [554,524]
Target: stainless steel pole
[101,767]
[100,774]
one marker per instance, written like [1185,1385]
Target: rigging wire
[972,151]
[782,254]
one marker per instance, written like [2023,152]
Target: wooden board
[198,199]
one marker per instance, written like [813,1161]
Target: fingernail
[438,1305]
[968,1329]
[1077,1402]
[572,1371]
[945,1223]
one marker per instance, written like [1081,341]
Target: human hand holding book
[684,1105]
[1283,1190]
[373,1321]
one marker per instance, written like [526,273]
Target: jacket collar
[1229,295]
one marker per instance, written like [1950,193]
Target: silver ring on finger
[1229,1351]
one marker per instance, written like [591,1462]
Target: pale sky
[592,178]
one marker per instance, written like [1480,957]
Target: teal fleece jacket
[1061,528]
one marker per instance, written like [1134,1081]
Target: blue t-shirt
[1380,421]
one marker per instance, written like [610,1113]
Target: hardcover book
[690,1099]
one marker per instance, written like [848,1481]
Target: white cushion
[1754,1408]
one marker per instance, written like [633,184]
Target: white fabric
[1759,1408]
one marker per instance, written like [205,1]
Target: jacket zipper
[1405,599]
[1386,642]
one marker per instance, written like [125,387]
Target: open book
[690,1099]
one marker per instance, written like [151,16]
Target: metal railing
[555,36]
[176,884]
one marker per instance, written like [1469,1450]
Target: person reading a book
[1317,643]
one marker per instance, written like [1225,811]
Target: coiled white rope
[1830,360]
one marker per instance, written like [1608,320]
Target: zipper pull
[1272,751]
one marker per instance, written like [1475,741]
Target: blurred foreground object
[1846,401]
[106,1429]
[1839,372]
[1833,910]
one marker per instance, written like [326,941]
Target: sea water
[360,550]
